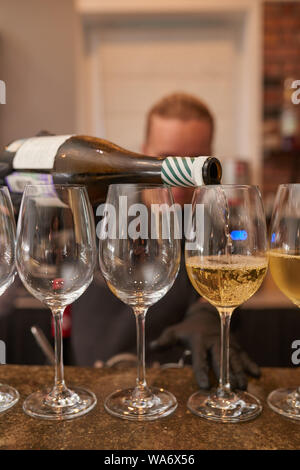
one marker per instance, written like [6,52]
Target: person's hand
[200,332]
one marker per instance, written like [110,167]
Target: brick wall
[281,61]
[281,55]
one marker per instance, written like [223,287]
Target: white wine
[226,281]
[285,269]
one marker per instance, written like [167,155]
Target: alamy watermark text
[158,221]
[2,92]
[296,94]
[296,354]
[2,352]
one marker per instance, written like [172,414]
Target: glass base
[8,397]
[286,402]
[157,403]
[239,407]
[68,405]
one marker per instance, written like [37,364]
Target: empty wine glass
[139,257]
[284,258]
[8,395]
[55,257]
[226,260]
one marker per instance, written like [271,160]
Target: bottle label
[183,171]
[15,145]
[38,153]
[17,181]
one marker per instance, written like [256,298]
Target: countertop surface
[181,430]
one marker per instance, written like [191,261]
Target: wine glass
[226,260]
[8,395]
[139,258]
[284,260]
[55,257]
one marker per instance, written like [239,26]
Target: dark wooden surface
[181,430]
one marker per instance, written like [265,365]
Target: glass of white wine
[55,258]
[8,395]
[284,261]
[139,257]
[226,260]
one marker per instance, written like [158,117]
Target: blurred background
[97,66]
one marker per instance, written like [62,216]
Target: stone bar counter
[181,430]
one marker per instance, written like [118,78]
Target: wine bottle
[96,163]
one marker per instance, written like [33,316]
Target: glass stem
[59,382]
[141,385]
[224,380]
